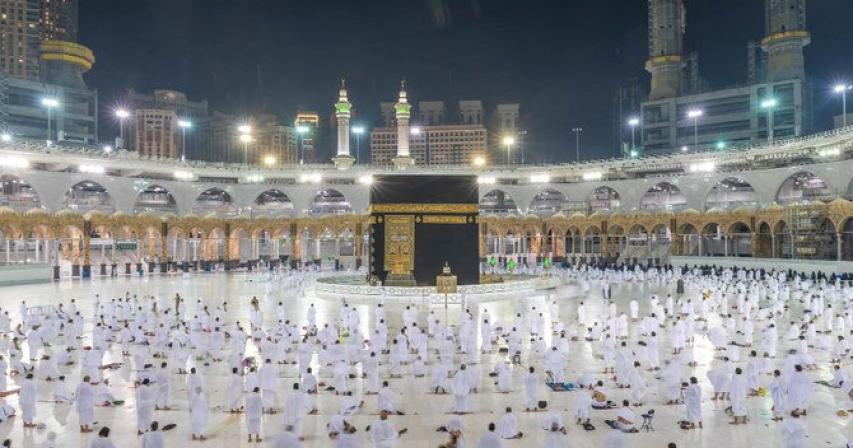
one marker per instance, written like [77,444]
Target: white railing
[646,163]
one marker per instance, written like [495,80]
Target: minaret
[785,22]
[402,112]
[666,29]
[343,159]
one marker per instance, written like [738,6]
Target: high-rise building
[223,145]
[156,133]
[196,112]
[505,123]
[627,104]
[776,103]
[386,108]
[74,120]
[168,99]
[430,113]
[25,25]
[59,20]
[448,144]
[307,125]
[441,143]
[20,38]
[471,112]
[274,144]
[40,59]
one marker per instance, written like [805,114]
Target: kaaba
[419,223]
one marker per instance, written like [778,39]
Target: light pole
[521,135]
[302,130]
[508,141]
[184,125]
[358,130]
[633,122]
[694,114]
[577,132]
[842,89]
[416,131]
[49,103]
[122,115]
[769,104]
[245,138]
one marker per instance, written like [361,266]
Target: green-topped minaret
[343,159]
[402,112]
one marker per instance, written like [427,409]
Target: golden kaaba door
[399,244]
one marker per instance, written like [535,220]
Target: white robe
[199,413]
[348,441]
[531,384]
[296,405]
[793,433]
[383,434]
[144,407]
[777,393]
[508,426]
[738,393]
[102,442]
[85,403]
[27,400]
[254,413]
[153,440]
[235,388]
[554,438]
[460,391]
[490,440]
[693,400]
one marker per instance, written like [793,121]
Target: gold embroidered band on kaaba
[424,208]
[446,219]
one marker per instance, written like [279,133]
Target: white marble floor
[424,411]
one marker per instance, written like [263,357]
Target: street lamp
[302,130]
[49,103]
[577,132]
[358,131]
[479,161]
[842,89]
[121,114]
[694,114]
[769,104]
[184,125]
[269,160]
[633,122]
[508,141]
[245,139]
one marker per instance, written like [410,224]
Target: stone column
[838,243]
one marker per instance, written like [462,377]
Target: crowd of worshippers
[745,315]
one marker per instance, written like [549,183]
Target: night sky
[561,59]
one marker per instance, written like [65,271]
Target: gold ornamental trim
[400,244]
[445,219]
[784,35]
[665,59]
[424,208]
